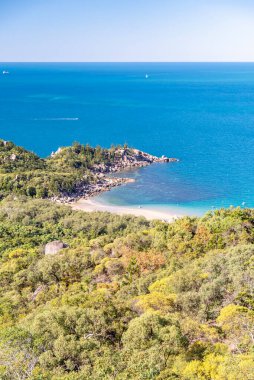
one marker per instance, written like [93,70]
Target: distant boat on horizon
[147,76]
[5,72]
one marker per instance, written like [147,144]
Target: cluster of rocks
[130,158]
[138,155]
[87,190]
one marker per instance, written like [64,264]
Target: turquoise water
[200,113]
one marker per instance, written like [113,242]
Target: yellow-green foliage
[128,299]
[154,301]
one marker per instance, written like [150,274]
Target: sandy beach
[90,205]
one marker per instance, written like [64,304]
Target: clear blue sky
[126,30]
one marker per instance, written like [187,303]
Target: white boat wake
[58,119]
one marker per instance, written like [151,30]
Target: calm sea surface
[200,113]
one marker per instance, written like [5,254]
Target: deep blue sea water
[200,113]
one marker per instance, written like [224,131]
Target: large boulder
[54,247]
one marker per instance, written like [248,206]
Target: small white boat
[5,72]
[147,76]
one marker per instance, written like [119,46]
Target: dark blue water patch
[200,113]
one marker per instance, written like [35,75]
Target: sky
[126,30]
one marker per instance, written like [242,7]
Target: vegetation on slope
[24,173]
[16,159]
[128,298]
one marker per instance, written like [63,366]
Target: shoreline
[89,205]
[124,159]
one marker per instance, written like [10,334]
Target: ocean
[201,113]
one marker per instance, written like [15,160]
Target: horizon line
[119,62]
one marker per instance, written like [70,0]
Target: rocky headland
[124,159]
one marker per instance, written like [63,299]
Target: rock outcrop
[54,247]
[130,158]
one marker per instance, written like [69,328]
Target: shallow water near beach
[202,114]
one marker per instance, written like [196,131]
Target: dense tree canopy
[128,298]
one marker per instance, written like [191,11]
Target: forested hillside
[24,173]
[125,298]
